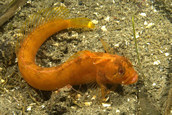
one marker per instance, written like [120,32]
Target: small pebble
[88,103]
[155,10]
[167,54]
[93,98]
[56,44]
[0,69]
[153,84]
[107,18]
[75,35]
[103,28]
[161,51]
[145,23]
[95,13]
[2,80]
[29,1]
[128,99]
[150,25]
[116,45]
[137,35]
[156,62]
[106,104]
[142,14]
[29,108]
[43,106]
[117,111]
[95,21]
[78,96]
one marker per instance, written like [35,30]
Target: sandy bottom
[151,95]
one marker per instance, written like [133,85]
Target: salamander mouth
[131,80]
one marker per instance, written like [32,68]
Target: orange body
[87,67]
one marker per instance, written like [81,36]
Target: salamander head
[119,70]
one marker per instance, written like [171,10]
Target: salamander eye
[121,71]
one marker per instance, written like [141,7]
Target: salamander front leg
[101,82]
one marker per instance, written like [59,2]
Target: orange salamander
[86,67]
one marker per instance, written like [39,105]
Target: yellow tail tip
[90,24]
[81,23]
